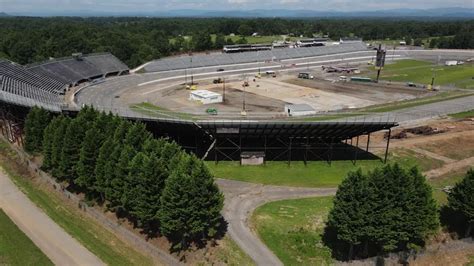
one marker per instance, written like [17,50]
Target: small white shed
[205,96]
[299,109]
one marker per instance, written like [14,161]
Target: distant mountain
[3,14]
[452,12]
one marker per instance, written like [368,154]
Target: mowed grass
[16,248]
[293,229]
[462,115]
[157,111]
[315,174]
[422,72]
[104,244]
[441,182]
[229,253]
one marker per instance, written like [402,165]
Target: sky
[164,5]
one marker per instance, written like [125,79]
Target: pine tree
[102,176]
[190,204]
[87,160]
[58,143]
[71,148]
[120,173]
[350,216]
[30,130]
[145,183]
[136,136]
[209,199]
[176,209]
[389,208]
[36,122]
[48,138]
[461,199]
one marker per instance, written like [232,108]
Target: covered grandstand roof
[330,130]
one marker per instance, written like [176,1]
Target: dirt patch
[457,147]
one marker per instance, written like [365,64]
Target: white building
[451,63]
[205,96]
[299,109]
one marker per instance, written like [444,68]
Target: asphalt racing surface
[103,95]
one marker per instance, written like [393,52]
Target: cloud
[237,2]
[163,5]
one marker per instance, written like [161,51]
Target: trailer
[451,63]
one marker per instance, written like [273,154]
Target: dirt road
[55,243]
[242,198]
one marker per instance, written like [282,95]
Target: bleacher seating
[45,83]
[208,60]
[74,70]
[20,86]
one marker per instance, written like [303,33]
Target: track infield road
[55,243]
[242,198]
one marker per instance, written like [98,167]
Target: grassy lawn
[315,174]
[449,179]
[16,248]
[422,72]
[292,229]
[229,253]
[462,115]
[93,236]
[157,111]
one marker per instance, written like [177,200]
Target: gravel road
[55,243]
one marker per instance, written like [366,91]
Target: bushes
[151,181]
[461,202]
[388,209]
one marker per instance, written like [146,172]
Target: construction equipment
[218,81]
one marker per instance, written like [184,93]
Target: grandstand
[26,88]
[44,84]
[208,60]
[80,68]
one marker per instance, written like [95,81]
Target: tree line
[153,182]
[391,209]
[138,40]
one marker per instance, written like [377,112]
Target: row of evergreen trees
[161,188]
[390,209]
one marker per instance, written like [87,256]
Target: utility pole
[380,60]
[223,90]
[192,77]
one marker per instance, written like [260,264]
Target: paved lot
[55,243]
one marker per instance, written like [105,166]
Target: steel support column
[368,142]
[388,143]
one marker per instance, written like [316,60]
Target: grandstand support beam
[289,152]
[356,150]
[368,143]
[265,149]
[388,143]
[330,151]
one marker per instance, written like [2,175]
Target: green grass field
[421,72]
[16,248]
[157,111]
[462,115]
[315,174]
[89,233]
[292,229]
